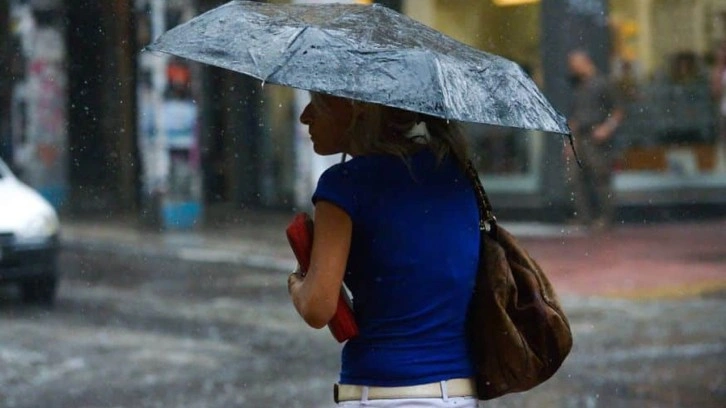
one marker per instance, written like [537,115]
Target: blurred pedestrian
[594,116]
[399,223]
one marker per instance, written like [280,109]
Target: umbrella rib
[442,87]
[289,55]
[362,53]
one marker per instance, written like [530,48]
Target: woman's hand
[316,296]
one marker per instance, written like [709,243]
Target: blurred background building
[98,126]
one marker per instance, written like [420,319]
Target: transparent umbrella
[364,52]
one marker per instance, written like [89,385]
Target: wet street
[153,332]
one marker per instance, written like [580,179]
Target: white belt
[458,387]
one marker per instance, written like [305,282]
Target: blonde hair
[379,129]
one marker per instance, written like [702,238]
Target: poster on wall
[179,117]
[168,132]
[39,100]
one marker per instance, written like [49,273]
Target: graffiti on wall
[47,109]
[168,134]
[39,113]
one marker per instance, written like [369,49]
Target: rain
[145,194]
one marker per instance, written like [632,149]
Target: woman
[398,222]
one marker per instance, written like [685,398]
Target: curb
[264,258]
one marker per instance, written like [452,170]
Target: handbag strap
[487,220]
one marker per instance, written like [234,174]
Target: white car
[29,240]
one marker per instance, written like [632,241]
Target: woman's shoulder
[376,166]
[361,165]
[354,168]
[360,172]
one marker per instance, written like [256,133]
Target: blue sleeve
[335,185]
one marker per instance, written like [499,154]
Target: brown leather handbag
[519,334]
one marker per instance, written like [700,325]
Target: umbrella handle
[572,146]
[487,220]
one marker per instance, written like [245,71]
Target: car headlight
[38,229]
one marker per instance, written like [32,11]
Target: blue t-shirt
[411,268]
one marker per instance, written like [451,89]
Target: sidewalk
[632,261]
[638,261]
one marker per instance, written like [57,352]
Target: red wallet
[300,237]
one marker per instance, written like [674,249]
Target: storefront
[663,56]
[658,52]
[512,162]
[240,143]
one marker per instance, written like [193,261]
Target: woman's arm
[316,296]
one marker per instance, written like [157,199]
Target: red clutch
[300,237]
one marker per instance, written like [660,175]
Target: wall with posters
[167,123]
[39,98]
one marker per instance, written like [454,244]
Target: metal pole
[5,83]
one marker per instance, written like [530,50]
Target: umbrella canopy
[363,52]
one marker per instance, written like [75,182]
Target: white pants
[440,402]
[458,402]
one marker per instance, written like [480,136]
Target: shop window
[500,150]
[670,123]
